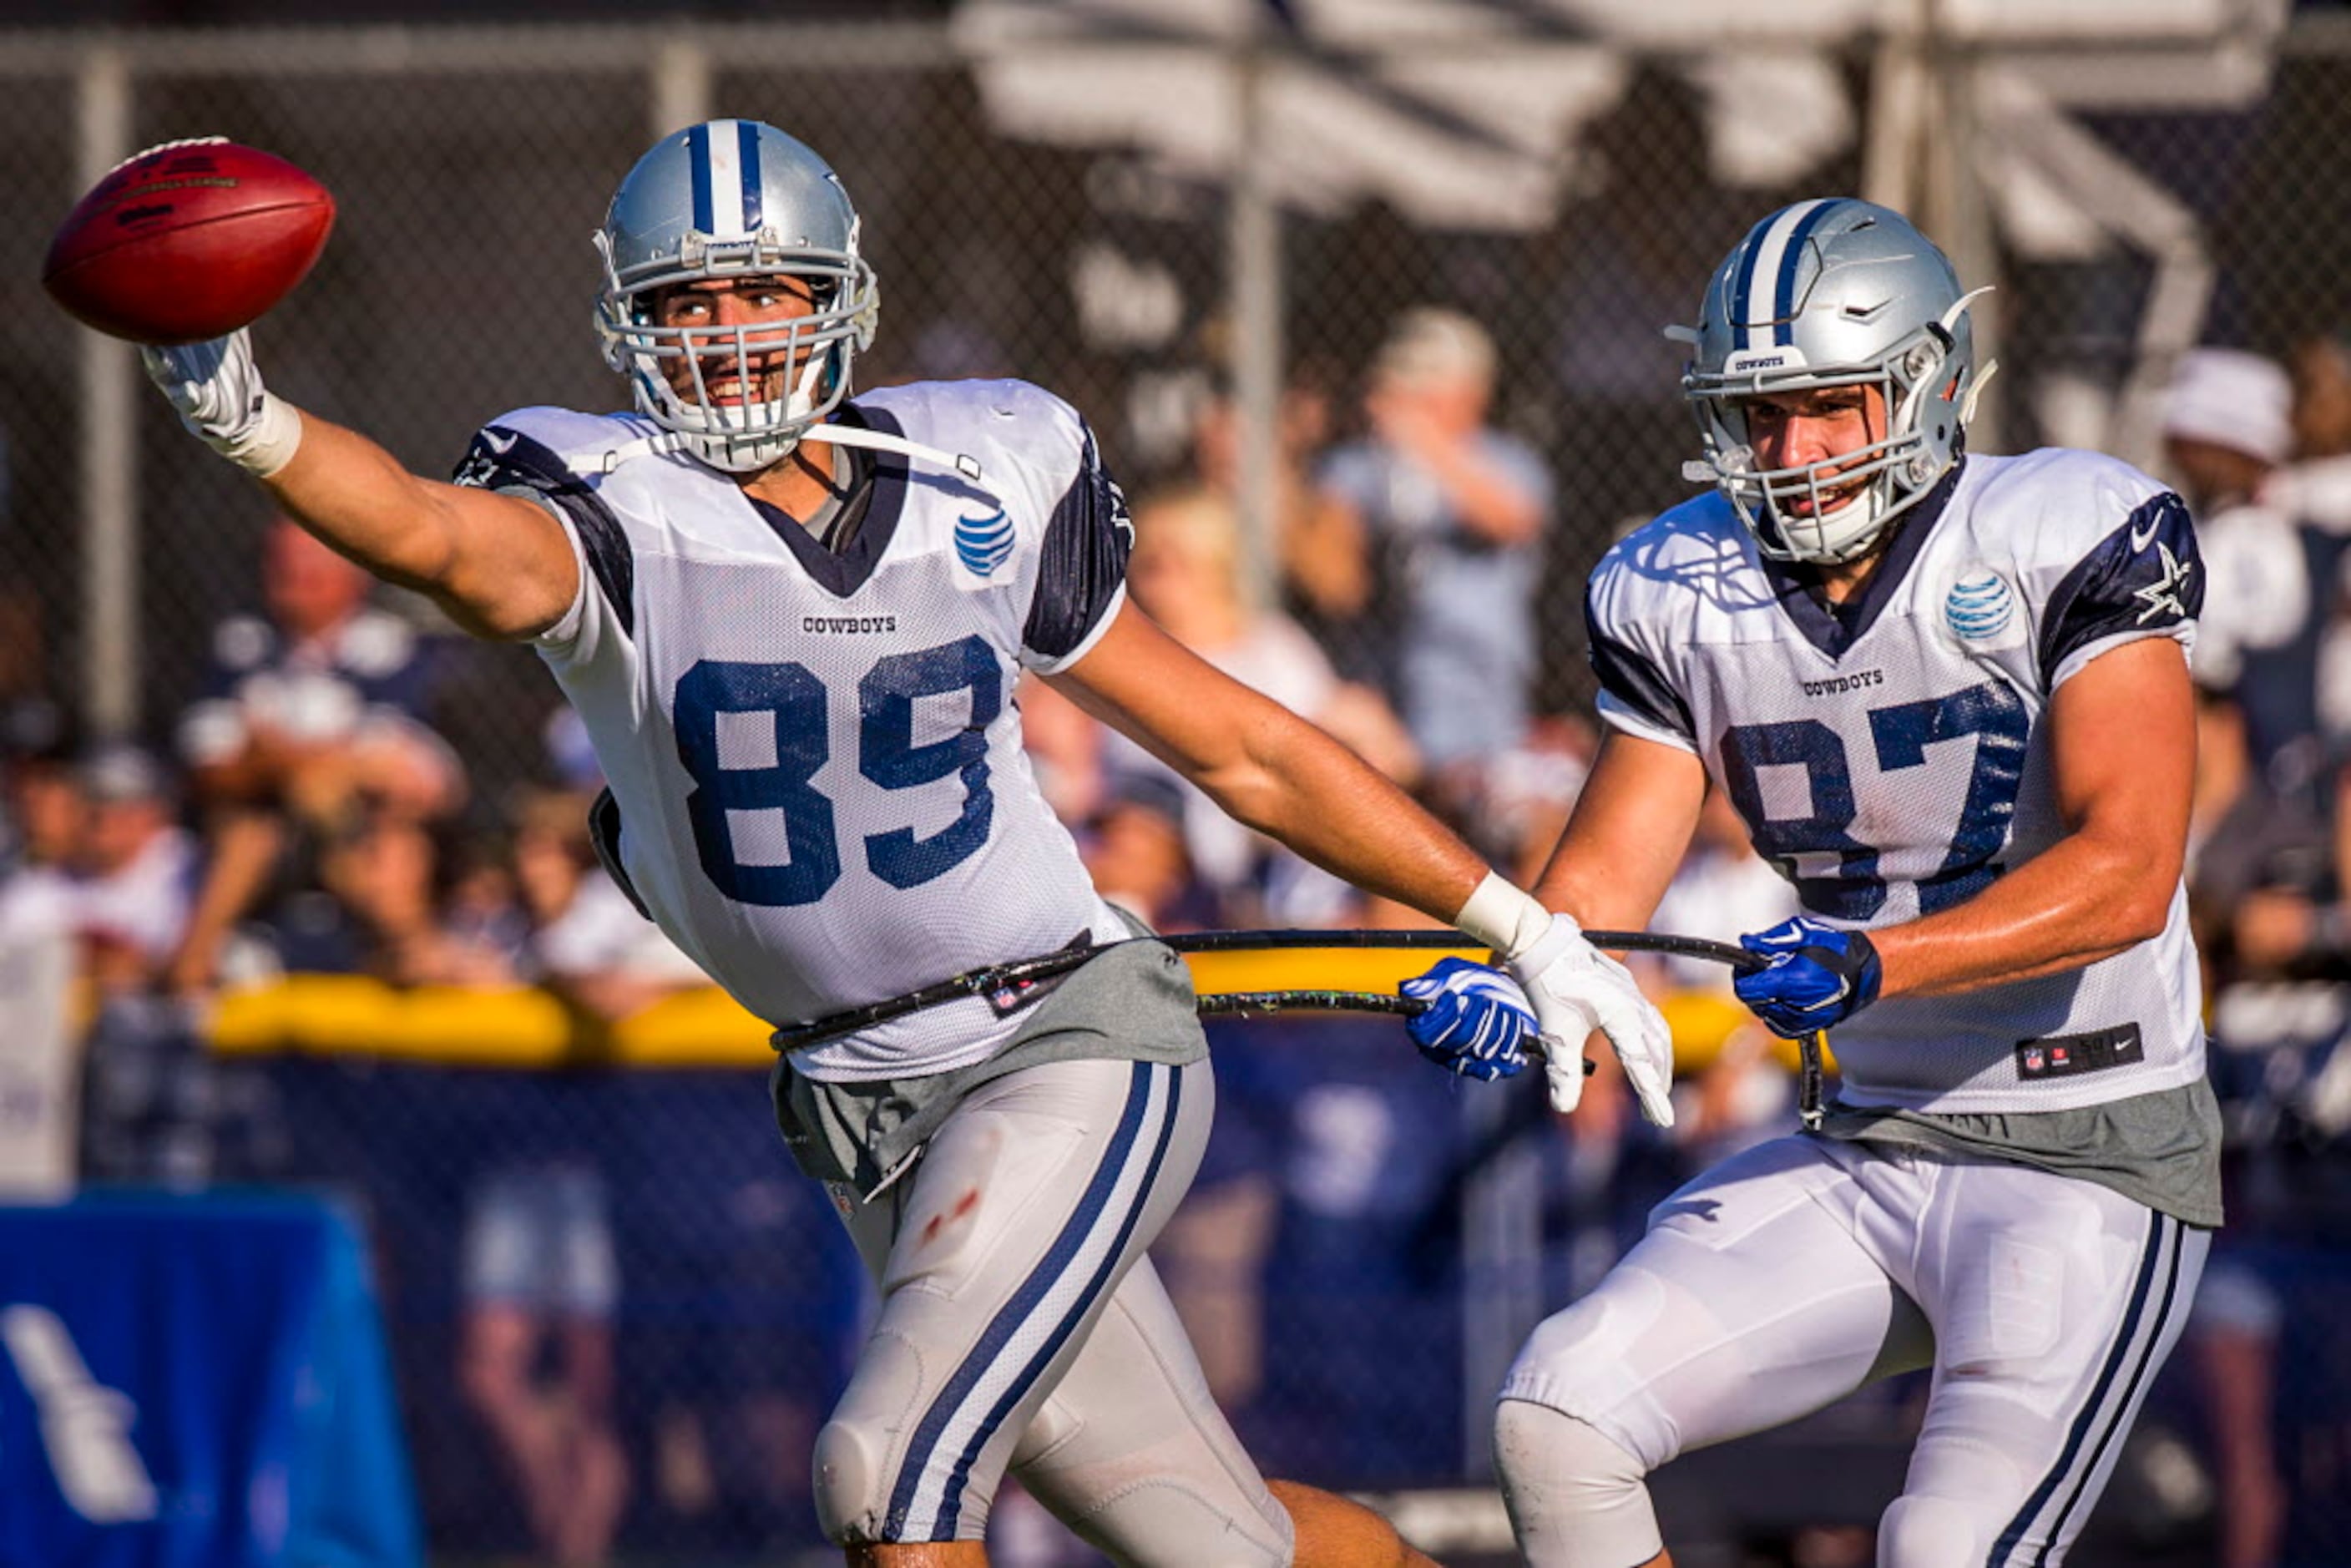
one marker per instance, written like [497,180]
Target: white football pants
[1790,1275]
[1021,1324]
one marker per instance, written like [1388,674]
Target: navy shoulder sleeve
[1084,558]
[2145,575]
[505,459]
[1632,678]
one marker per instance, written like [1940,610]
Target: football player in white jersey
[1949,694]
[792,621]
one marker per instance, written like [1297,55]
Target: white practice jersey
[816,756]
[1889,756]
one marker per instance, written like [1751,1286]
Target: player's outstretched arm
[500,566]
[1280,774]
[1267,766]
[1632,824]
[2122,749]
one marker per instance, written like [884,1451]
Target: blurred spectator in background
[1738,1091]
[1063,744]
[2258,862]
[41,816]
[2321,369]
[540,1287]
[2264,899]
[2227,426]
[1454,513]
[313,718]
[320,703]
[588,942]
[1326,575]
[137,869]
[1184,572]
[393,879]
[2316,489]
[1129,820]
[541,1280]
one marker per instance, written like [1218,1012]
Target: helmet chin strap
[669,442]
[961,464]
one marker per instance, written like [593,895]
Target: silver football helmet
[1828,293]
[733,198]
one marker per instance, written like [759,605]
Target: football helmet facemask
[1830,293]
[733,199]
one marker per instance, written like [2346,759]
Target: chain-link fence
[2130,197]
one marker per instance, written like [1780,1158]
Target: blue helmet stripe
[1783,316]
[747,140]
[1746,283]
[698,159]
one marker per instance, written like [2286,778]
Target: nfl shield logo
[2034,1059]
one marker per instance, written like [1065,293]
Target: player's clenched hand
[1819,976]
[1577,990]
[218,392]
[1477,1020]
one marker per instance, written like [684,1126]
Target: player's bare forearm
[2082,900]
[1630,829]
[500,566]
[1299,786]
[1269,769]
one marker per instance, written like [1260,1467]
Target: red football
[187,241]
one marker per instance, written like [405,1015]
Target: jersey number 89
[795,700]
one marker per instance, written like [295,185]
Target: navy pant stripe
[1015,1313]
[2124,1338]
[2114,1430]
[953,1503]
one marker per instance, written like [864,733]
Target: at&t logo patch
[982,544]
[1980,606]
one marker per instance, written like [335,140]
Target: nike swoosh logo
[497,444]
[2140,540]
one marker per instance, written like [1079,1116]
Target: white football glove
[1576,990]
[220,397]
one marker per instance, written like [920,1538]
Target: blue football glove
[1477,1020]
[1818,976]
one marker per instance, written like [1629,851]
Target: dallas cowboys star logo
[2164,594]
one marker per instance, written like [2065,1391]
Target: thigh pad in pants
[1036,1197]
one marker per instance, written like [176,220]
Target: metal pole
[1975,250]
[1957,215]
[1898,104]
[109,439]
[680,87]
[1253,259]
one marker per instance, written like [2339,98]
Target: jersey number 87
[1899,735]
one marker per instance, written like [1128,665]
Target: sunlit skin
[723,304]
[800,482]
[1818,424]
